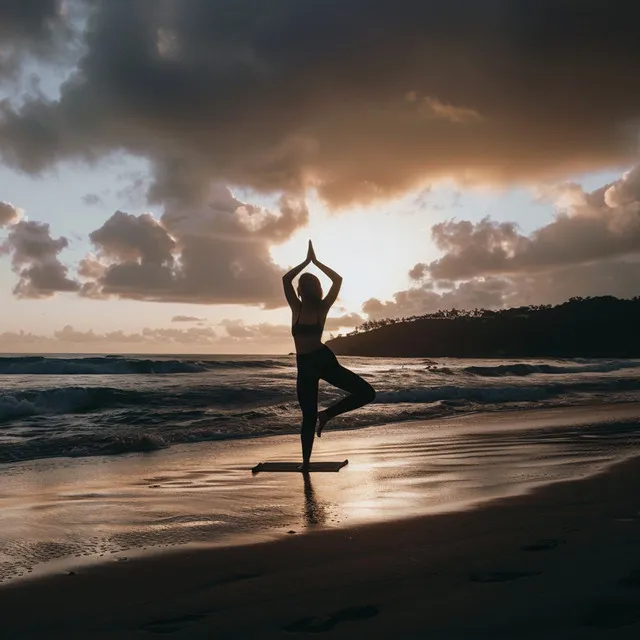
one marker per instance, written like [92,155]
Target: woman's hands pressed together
[311,254]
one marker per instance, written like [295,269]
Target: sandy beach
[401,543]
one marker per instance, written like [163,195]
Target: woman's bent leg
[307,388]
[361,392]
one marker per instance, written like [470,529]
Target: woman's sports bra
[299,329]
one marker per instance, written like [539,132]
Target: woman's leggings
[318,365]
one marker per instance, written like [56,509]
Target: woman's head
[309,288]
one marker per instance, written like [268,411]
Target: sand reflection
[315,510]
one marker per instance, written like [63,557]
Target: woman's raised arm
[287,281]
[336,279]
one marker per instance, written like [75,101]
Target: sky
[162,164]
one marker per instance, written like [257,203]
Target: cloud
[28,20]
[92,199]
[591,248]
[433,108]
[186,319]
[476,293]
[132,238]
[230,335]
[589,227]
[264,338]
[34,257]
[68,336]
[344,321]
[283,96]
[418,271]
[238,330]
[159,336]
[193,335]
[624,192]
[8,214]
[39,28]
[215,252]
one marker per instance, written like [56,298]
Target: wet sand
[562,561]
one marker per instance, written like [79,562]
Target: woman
[315,360]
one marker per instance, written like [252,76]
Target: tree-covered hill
[581,327]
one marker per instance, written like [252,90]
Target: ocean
[88,405]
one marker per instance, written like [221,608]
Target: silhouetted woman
[315,360]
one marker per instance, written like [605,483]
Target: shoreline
[560,561]
[339,428]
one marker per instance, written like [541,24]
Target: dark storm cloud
[591,248]
[38,27]
[34,257]
[361,98]
[216,252]
[30,20]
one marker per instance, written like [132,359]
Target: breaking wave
[115,365]
[526,369]
[61,413]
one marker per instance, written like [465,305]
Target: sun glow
[367,247]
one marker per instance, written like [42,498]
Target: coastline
[560,560]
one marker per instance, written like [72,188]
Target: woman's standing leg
[360,392]
[307,388]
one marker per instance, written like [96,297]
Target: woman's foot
[322,420]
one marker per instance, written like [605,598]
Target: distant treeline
[581,327]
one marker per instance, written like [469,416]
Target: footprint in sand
[500,576]
[611,614]
[315,624]
[171,625]
[543,545]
